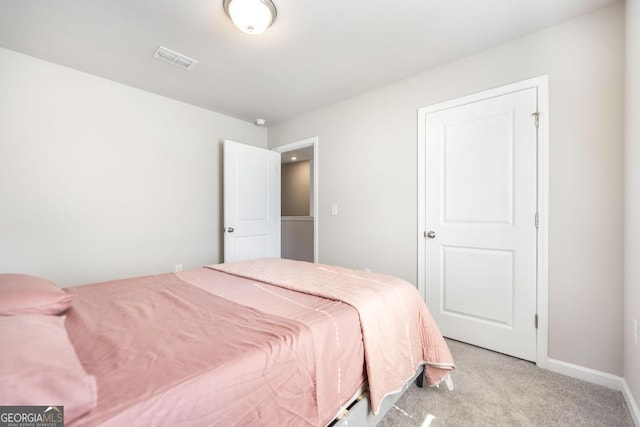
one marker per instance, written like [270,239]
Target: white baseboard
[585,374]
[631,403]
[598,377]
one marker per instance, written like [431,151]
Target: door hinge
[535,321]
[537,117]
[537,220]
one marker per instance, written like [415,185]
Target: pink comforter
[398,331]
[154,345]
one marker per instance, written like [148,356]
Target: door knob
[430,234]
[229,230]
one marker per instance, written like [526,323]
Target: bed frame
[359,413]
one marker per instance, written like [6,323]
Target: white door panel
[251,202]
[478,191]
[479,284]
[480,185]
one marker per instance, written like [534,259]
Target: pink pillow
[24,294]
[39,366]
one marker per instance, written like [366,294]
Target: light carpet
[492,389]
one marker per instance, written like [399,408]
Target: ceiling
[317,53]
[300,155]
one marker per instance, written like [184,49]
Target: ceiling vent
[175,58]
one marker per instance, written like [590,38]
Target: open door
[251,202]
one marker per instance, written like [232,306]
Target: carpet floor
[491,389]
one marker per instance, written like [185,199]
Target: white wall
[99,180]
[632,218]
[369,168]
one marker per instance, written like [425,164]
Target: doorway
[482,264]
[299,220]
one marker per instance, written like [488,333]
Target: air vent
[175,58]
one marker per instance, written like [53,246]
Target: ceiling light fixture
[251,16]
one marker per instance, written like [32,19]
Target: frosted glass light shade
[251,16]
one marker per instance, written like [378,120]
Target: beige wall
[296,188]
[369,168]
[297,239]
[100,181]
[632,223]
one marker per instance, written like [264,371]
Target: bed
[259,342]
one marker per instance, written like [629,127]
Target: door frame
[541,84]
[303,143]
